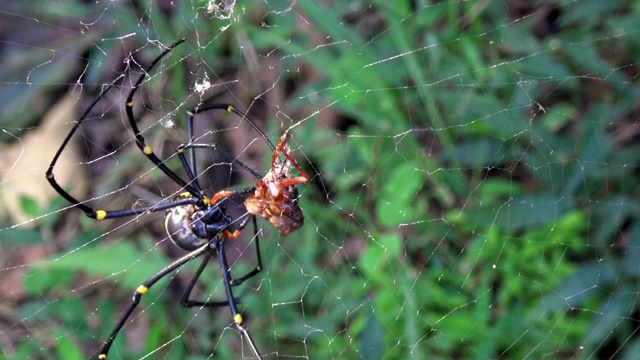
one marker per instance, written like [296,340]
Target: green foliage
[476,199]
[107,261]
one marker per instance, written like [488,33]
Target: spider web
[473,170]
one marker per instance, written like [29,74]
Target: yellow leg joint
[238,319]
[190,113]
[142,289]
[130,104]
[147,150]
[100,214]
[102,356]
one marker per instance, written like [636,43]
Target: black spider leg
[144,287]
[215,147]
[243,224]
[233,160]
[192,170]
[238,321]
[185,300]
[231,109]
[256,270]
[191,139]
[89,211]
[49,174]
[190,134]
[231,301]
[192,187]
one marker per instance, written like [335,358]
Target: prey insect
[196,223]
[275,198]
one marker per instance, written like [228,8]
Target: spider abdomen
[190,227]
[177,223]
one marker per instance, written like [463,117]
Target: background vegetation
[474,177]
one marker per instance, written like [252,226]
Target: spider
[195,222]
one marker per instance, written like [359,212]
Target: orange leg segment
[219,195]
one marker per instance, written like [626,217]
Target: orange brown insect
[275,197]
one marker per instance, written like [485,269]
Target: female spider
[195,222]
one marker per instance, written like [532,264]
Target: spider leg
[186,302]
[227,193]
[100,214]
[303,178]
[112,214]
[190,146]
[238,321]
[215,147]
[145,148]
[222,194]
[191,139]
[142,289]
[49,174]
[232,109]
[259,267]
[193,180]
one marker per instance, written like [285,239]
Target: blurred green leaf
[29,206]
[380,251]
[20,236]
[40,281]
[371,339]
[398,200]
[115,261]
[67,349]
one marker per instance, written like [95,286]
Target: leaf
[515,214]
[383,249]
[397,203]
[41,280]
[67,349]
[120,261]
[27,159]
[21,236]
[29,206]
[372,339]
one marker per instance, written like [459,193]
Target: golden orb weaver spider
[195,222]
